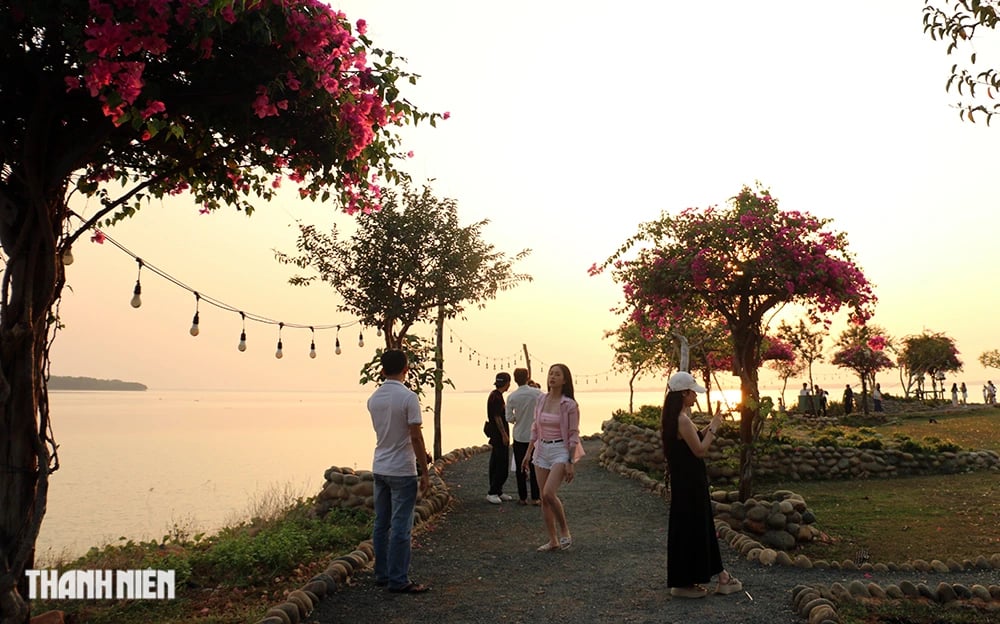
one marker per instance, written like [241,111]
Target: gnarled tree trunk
[30,230]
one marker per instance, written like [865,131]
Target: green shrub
[647,417]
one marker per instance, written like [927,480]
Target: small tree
[862,349]
[636,354]
[927,353]
[806,343]
[786,364]
[990,359]
[738,262]
[407,263]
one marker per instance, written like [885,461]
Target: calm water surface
[134,464]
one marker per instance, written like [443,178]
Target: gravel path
[481,563]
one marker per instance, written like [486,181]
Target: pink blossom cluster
[738,261]
[125,38]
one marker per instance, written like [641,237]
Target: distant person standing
[693,555]
[848,400]
[965,393]
[992,392]
[954,395]
[555,448]
[521,413]
[877,398]
[499,433]
[399,448]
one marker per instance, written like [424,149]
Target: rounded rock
[275,613]
[946,593]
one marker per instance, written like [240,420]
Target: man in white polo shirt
[399,449]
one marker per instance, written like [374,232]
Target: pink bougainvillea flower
[97,237]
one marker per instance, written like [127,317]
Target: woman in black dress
[692,546]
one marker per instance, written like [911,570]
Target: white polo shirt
[393,408]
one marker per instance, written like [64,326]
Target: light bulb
[361,340]
[337,350]
[67,257]
[243,341]
[312,350]
[278,353]
[194,325]
[136,299]
[378,332]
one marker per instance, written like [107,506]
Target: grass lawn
[901,519]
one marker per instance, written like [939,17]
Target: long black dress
[692,547]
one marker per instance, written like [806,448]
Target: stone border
[818,604]
[301,602]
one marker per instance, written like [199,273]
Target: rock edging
[301,602]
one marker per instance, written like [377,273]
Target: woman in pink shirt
[554,448]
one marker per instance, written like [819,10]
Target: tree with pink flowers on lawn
[131,101]
[742,261]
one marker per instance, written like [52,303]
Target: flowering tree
[133,100]
[738,261]
[927,353]
[862,349]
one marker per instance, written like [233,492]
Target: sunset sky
[571,123]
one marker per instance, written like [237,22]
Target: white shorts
[548,454]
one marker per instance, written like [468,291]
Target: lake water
[134,464]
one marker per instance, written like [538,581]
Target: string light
[194,322]
[67,256]
[243,334]
[361,339]
[337,343]
[137,291]
[312,344]
[278,354]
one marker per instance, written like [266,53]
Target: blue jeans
[395,498]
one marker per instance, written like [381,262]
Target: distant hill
[89,383]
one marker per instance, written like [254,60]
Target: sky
[570,124]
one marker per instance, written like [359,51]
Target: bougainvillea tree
[133,100]
[740,261]
[862,349]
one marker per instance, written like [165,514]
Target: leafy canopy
[222,99]
[739,260]
[404,261]
[957,24]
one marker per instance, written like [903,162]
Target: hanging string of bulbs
[509,362]
[199,297]
[484,360]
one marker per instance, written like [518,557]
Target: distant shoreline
[89,383]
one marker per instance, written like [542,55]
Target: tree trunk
[33,281]
[438,382]
[746,349]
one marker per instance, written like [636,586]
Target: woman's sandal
[565,543]
[695,591]
[731,586]
[547,547]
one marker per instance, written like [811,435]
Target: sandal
[565,543]
[547,547]
[410,588]
[731,586]
[695,591]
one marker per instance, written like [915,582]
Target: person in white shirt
[521,413]
[399,449]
